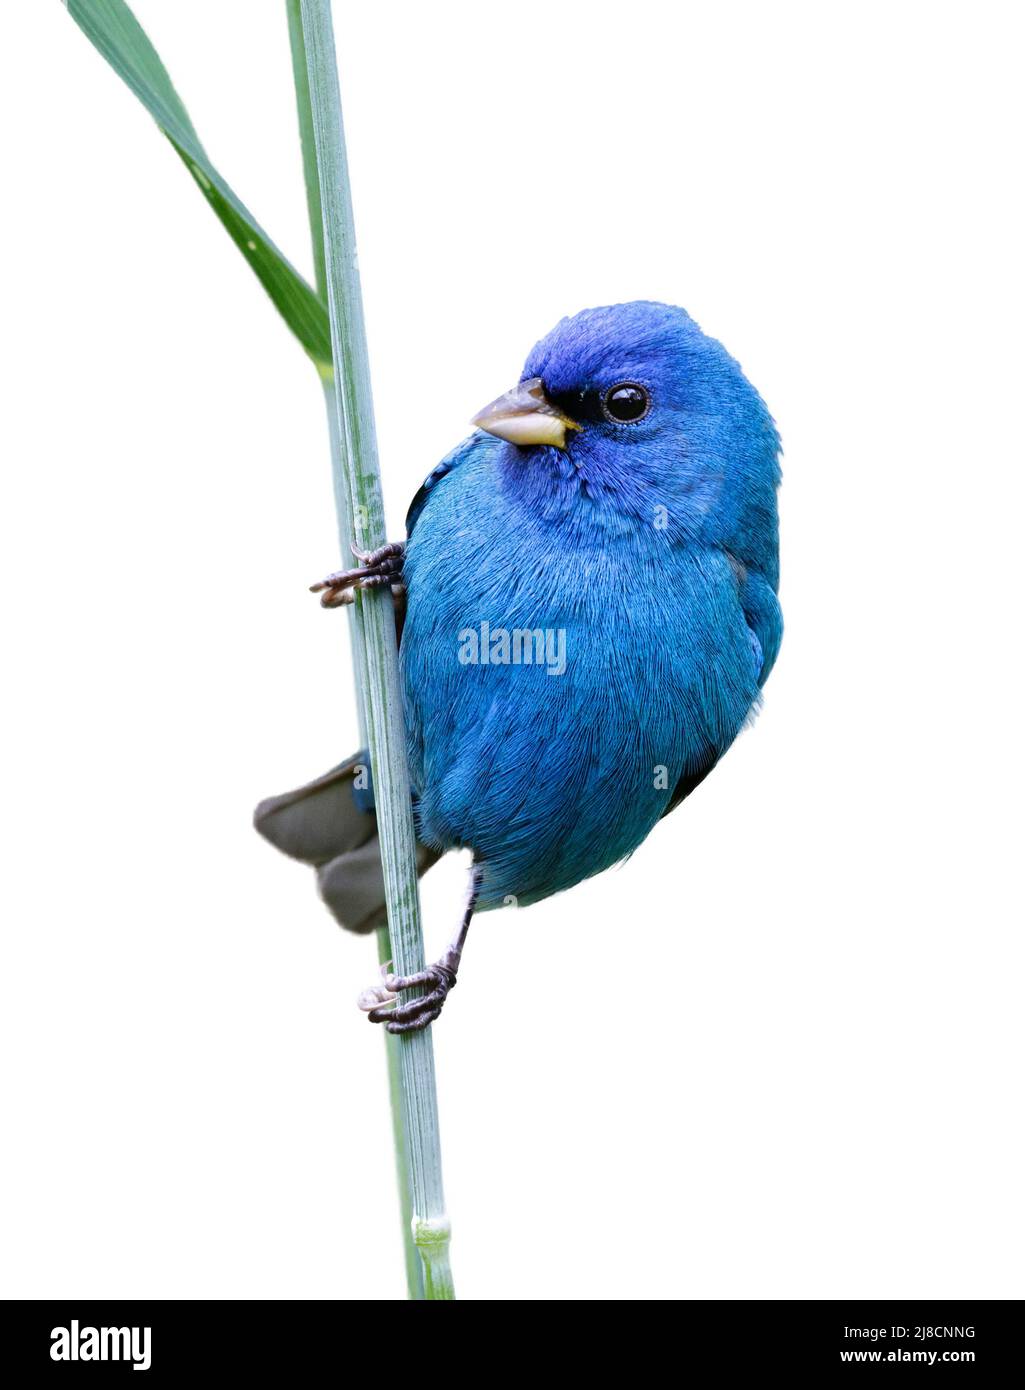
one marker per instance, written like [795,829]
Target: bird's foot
[379,1002]
[377,567]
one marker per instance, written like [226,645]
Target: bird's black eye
[626,403]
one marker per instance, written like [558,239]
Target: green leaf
[112,29]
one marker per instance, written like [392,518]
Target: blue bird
[590,601]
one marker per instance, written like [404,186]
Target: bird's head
[633,408]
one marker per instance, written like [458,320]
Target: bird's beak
[525,415]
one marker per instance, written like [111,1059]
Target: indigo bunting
[590,614]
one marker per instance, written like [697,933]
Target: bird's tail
[330,823]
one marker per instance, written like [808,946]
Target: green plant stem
[414,1266]
[400,1141]
[358,485]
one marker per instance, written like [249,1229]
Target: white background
[777,1054]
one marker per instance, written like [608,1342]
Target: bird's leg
[377,567]
[379,1003]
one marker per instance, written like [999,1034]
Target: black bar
[348,1342]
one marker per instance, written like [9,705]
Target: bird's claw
[377,995]
[376,567]
[379,1002]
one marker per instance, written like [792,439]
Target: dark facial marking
[623,404]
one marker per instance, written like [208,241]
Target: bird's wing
[458,455]
[691,779]
[764,619]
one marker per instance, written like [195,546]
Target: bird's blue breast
[553,758]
